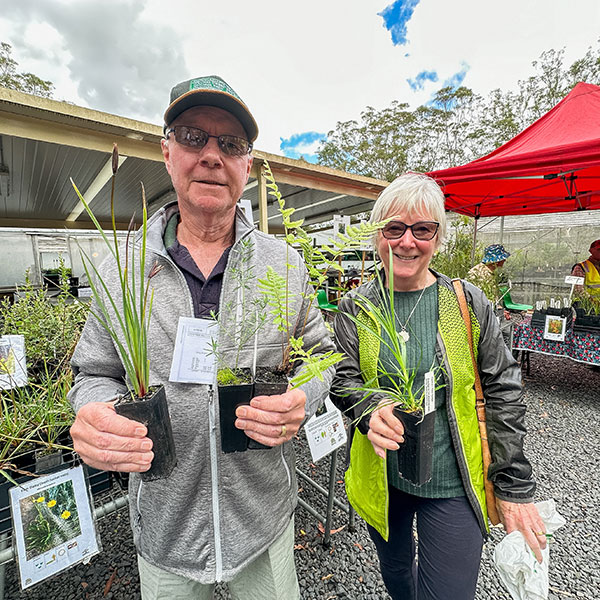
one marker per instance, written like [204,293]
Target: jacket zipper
[215,483]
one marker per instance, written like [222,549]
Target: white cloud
[299,66]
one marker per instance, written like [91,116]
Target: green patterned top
[420,354]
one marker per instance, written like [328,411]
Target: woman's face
[411,257]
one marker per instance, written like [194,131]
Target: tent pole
[474,241]
[501,241]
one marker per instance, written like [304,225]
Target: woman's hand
[386,431]
[526,519]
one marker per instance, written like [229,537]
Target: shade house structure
[552,166]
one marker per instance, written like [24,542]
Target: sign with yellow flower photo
[555,328]
[13,370]
[53,524]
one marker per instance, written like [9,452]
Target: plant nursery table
[583,347]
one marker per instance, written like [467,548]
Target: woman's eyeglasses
[192,137]
[422,230]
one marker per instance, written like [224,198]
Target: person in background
[590,270]
[217,517]
[450,509]
[486,276]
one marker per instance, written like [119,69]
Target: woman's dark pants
[449,548]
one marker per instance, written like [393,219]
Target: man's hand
[526,519]
[272,420]
[386,431]
[110,442]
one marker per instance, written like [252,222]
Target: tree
[455,126]
[22,82]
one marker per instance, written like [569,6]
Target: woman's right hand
[386,432]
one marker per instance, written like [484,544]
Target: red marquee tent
[552,166]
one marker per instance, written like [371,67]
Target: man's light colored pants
[272,576]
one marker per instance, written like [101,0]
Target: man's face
[595,252]
[207,179]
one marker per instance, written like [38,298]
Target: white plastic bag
[524,577]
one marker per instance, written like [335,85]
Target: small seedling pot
[267,382]
[230,397]
[153,412]
[416,452]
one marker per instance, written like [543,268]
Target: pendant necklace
[403,333]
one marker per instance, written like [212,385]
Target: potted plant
[239,323]
[319,262]
[587,311]
[126,317]
[396,383]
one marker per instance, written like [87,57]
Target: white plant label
[53,524]
[13,368]
[429,384]
[192,360]
[572,280]
[326,432]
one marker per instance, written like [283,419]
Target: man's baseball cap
[594,244]
[210,91]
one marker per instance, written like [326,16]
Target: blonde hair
[412,193]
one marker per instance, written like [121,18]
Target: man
[590,270]
[217,517]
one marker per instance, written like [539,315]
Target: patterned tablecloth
[581,347]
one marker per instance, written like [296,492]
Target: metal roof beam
[94,189]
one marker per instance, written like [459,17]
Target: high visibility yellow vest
[592,277]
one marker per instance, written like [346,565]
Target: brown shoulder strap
[492,511]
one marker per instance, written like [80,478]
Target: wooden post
[263,223]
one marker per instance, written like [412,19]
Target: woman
[450,508]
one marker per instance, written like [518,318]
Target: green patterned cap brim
[210,91]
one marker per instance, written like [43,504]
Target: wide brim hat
[494,253]
[210,91]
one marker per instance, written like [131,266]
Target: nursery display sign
[325,432]
[13,370]
[555,328]
[53,524]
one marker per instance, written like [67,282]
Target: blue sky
[300,68]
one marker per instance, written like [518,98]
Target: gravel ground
[563,444]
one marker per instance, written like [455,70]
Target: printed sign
[13,368]
[325,432]
[555,328]
[53,524]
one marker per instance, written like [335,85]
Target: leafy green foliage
[22,82]
[455,126]
[51,327]
[454,258]
[318,262]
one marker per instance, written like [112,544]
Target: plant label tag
[193,361]
[325,432]
[13,368]
[54,524]
[572,280]
[429,384]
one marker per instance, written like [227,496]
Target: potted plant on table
[395,382]
[125,315]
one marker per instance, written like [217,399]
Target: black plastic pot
[153,412]
[416,453]
[230,397]
[267,382]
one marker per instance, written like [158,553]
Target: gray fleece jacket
[216,512]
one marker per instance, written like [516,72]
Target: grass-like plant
[127,313]
[396,384]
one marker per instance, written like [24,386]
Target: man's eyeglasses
[422,230]
[192,137]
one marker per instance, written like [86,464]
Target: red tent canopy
[552,166]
